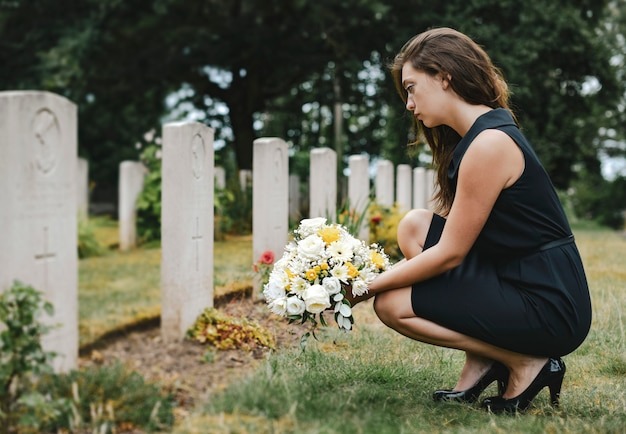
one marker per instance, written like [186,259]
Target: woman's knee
[382,308]
[389,307]
[412,231]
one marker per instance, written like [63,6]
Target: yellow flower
[377,259]
[311,274]
[324,266]
[329,234]
[352,270]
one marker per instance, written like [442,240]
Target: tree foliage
[312,72]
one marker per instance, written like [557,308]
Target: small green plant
[88,245]
[350,217]
[108,399]
[225,333]
[23,360]
[149,201]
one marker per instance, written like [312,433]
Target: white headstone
[186,226]
[384,183]
[132,174]
[220,178]
[82,188]
[359,190]
[430,189]
[245,179]
[38,227]
[294,197]
[404,187]
[419,188]
[323,183]
[270,198]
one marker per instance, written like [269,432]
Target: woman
[496,272]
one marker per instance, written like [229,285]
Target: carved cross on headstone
[45,257]
[197,238]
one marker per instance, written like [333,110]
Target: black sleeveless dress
[522,286]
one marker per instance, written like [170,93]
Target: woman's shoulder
[494,151]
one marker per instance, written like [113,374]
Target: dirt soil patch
[185,368]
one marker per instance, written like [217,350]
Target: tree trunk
[241,120]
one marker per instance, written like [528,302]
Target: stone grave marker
[384,183]
[294,197]
[419,188]
[430,189]
[132,174]
[323,183]
[404,187]
[220,178]
[38,212]
[359,190]
[270,199]
[186,226]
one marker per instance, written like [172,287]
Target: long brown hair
[473,77]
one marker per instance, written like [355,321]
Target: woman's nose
[410,105]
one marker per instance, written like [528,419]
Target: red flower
[267,257]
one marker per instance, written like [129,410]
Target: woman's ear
[445,80]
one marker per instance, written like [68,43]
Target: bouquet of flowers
[317,267]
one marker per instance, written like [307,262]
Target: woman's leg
[395,310]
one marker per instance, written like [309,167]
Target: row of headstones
[39,196]
[414,187]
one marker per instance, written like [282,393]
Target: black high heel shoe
[551,375]
[497,372]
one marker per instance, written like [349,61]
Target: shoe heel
[501,387]
[555,390]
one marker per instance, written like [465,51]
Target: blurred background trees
[314,73]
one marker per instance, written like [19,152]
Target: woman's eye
[409,89]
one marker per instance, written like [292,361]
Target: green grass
[375,381]
[122,288]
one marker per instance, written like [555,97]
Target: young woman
[495,272]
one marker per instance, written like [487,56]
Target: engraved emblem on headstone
[47,136]
[197,156]
[45,256]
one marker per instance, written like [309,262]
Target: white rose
[310,226]
[279,306]
[273,291]
[311,247]
[295,306]
[316,299]
[332,285]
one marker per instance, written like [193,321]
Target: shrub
[226,333]
[23,360]
[109,399]
[384,227]
[149,200]
[88,245]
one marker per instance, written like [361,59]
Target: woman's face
[425,95]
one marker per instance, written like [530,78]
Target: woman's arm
[492,163]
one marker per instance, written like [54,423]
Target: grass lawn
[123,288]
[375,381]
[372,380]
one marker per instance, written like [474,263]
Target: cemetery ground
[370,380]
